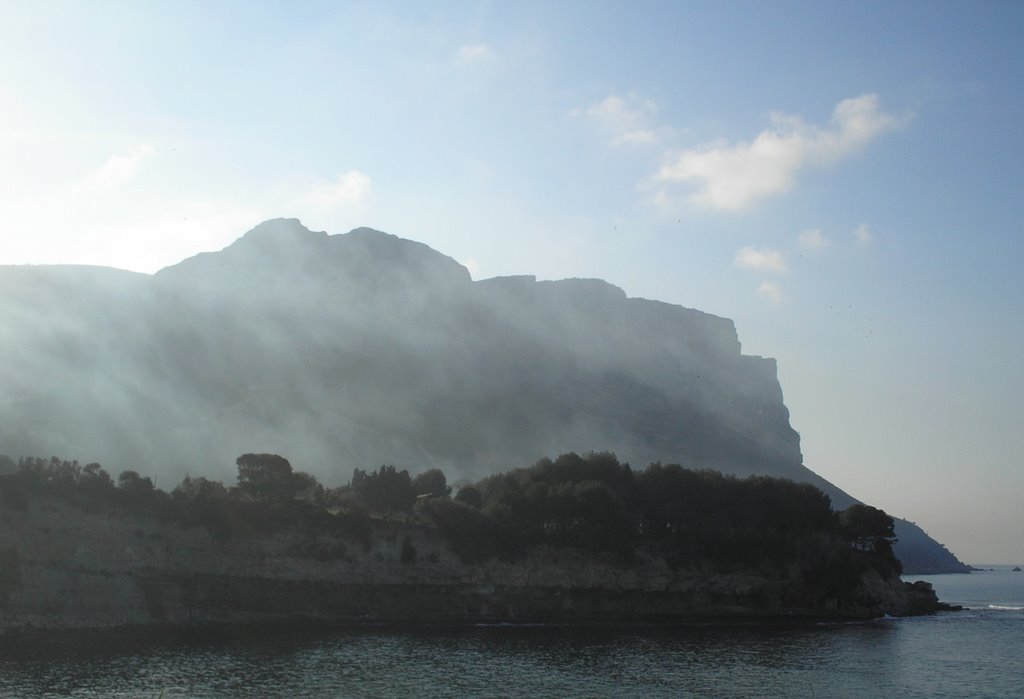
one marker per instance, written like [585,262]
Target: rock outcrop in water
[348,351]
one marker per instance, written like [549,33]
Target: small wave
[1005,608]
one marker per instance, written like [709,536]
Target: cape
[351,351]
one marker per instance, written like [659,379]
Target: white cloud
[863,235]
[350,188]
[627,121]
[733,176]
[813,239]
[117,169]
[617,113]
[760,259]
[637,137]
[472,53]
[771,291]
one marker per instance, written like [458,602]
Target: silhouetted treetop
[385,489]
[433,483]
[265,475]
[863,526]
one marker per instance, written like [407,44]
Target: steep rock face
[349,351]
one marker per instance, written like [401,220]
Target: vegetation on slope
[692,520]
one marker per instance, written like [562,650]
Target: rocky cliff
[64,567]
[348,351]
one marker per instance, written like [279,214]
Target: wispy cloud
[350,188]
[813,239]
[771,291]
[117,170]
[763,259]
[627,121]
[473,53]
[732,176]
[862,234]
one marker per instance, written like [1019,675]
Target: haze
[843,181]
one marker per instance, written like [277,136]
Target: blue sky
[843,180]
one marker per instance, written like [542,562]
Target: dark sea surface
[974,653]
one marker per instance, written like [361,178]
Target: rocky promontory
[352,350]
[521,548]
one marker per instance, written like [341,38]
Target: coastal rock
[63,567]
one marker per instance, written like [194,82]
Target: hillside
[349,351]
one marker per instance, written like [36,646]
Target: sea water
[978,652]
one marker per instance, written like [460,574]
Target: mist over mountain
[351,351]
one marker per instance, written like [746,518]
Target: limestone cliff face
[66,568]
[351,351]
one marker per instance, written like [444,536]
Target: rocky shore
[62,567]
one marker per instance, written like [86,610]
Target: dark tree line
[593,503]
[269,494]
[687,517]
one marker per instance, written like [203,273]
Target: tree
[131,482]
[96,473]
[384,489]
[139,492]
[866,528]
[265,476]
[306,487]
[433,483]
[200,489]
[470,495]
[95,481]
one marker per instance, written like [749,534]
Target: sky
[843,180]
